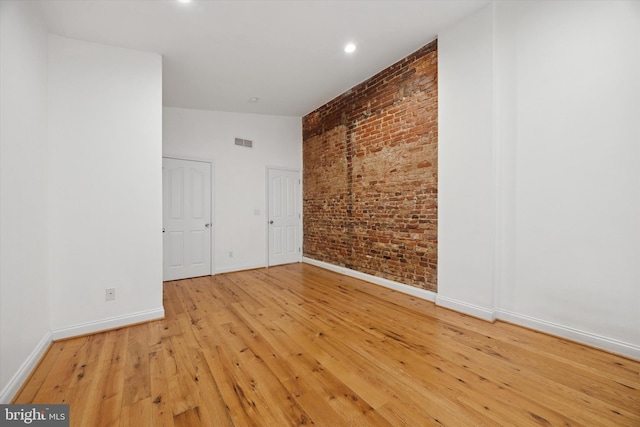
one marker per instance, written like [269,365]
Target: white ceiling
[289,54]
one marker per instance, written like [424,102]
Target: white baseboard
[238,268]
[12,388]
[491,315]
[589,338]
[464,307]
[396,286]
[109,323]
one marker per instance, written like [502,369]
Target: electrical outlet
[110,294]
[230,254]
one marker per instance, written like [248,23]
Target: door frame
[266,210]
[212,198]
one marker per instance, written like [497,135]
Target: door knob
[163,229]
[271,222]
[208,225]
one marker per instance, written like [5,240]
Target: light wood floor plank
[35,384]
[161,368]
[138,414]
[299,345]
[100,403]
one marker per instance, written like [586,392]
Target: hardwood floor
[298,345]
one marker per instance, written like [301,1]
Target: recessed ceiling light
[254,100]
[184,1]
[349,48]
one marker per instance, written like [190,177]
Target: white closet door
[284,217]
[186,218]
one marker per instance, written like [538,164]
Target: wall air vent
[244,142]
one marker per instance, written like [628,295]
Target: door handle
[163,229]
[208,225]
[271,222]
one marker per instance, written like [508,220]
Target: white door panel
[174,249]
[186,218]
[284,217]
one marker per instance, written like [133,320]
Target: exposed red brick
[370,174]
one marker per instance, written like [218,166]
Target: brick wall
[370,174]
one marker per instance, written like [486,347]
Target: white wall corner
[108,323]
[15,383]
[396,286]
[484,313]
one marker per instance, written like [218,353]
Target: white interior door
[284,217]
[186,199]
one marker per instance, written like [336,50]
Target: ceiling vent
[244,142]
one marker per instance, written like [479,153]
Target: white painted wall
[466,202]
[239,173]
[105,135]
[566,150]
[24,227]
